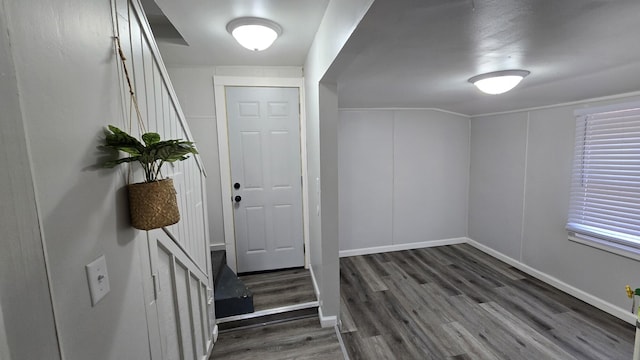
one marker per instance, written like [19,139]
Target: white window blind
[605,187]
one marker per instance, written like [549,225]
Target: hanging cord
[133,100]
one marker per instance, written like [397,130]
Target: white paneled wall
[519,199]
[179,258]
[431,171]
[366,179]
[185,329]
[69,85]
[498,152]
[161,113]
[403,178]
[194,87]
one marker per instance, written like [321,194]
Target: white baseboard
[215,333]
[211,343]
[327,321]
[316,289]
[399,247]
[345,353]
[571,290]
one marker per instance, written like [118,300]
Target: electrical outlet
[98,279]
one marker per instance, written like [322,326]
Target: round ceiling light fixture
[253,33]
[498,82]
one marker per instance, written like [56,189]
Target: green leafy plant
[151,155]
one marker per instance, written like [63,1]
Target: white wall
[403,177]
[495,207]
[339,21]
[194,87]
[365,164]
[4,346]
[519,198]
[25,304]
[69,88]
[67,79]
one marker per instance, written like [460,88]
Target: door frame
[220,82]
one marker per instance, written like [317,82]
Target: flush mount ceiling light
[498,82]
[253,33]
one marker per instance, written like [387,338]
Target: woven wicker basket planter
[153,205]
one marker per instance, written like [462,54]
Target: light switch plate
[98,279]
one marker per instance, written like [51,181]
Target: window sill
[618,249]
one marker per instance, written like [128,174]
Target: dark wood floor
[280,288]
[298,339]
[455,302]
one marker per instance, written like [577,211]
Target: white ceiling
[202,24]
[420,53]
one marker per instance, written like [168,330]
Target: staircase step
[232,297]
[262,318]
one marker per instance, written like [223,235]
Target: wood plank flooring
[280,288]
[455,302]
[298,339]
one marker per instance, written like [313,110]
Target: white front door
[266,180]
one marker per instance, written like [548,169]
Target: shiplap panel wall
[403,178]
[161,113]
[179,258]
[182,303]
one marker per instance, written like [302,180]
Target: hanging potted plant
[152,203]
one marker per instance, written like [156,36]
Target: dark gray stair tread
[232,297]
[229,286]
[233,306]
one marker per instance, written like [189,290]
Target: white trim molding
[345,353]
[571,290]
[406,109]
[211,342]
[327,321]
[220,82]
[216,247]
[316,288]
[399,247]
[571,103]
[608,246]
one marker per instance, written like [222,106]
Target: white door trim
[219,84]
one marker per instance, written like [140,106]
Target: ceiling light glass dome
[498,82]
[255,34]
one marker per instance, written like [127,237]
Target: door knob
[238,198]
[236,186]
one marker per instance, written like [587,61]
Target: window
[605,186]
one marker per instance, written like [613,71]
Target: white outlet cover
[98,279]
